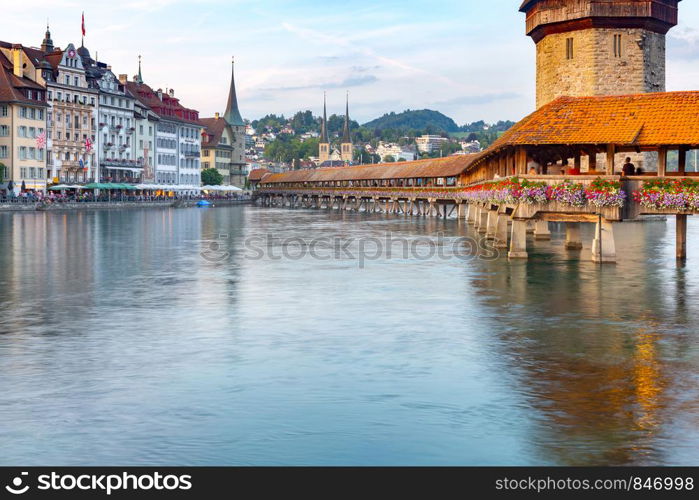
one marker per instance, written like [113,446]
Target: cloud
[351,81]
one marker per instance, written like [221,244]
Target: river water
[186,337]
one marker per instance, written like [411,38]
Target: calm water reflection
[121,344]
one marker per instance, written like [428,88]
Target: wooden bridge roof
[638,120]
[434,167]
[658,119]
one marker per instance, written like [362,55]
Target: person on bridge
[628,168]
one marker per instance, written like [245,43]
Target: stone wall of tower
[594,68]
[346,152]
[323,152]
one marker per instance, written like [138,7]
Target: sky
[469,59]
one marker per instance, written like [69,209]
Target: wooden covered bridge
[561,163]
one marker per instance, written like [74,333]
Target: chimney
[160,94]
[109,67]
[216,115]
[17,59]
[123,79]
[172,92]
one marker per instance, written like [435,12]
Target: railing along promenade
[506,209]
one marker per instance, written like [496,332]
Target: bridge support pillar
[681,235]
[530,226]
[518,240]
[573,239]
[492,224]
[471,216]
[541,230]
[603,247]
[482,220]
[501,231]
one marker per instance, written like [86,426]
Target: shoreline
[112,205]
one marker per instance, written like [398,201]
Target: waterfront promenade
[29,205]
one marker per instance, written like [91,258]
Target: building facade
[430,143]
[216,146]
[177,137]
[589,48]
[116,154]
[22,125]
[72,118]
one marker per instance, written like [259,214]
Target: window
[3,110]
[23,112]
[67,80]
[4,130]
[569,48]
[22,153]
[76,81]
[3,151]
[617,45]
[22,131]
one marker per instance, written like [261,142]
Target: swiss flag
[83,23]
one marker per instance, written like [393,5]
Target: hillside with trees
[418,119]
[401,128]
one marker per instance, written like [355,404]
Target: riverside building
[22,124]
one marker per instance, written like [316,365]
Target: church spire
[47,43]
[346,129]
[140,76]
[232,115]
[324,124]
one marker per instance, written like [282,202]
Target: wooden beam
[681,229]
[662,161]
[521,161]
[682,160]
[557,217]
[611,151]
[576,160]
[592,155]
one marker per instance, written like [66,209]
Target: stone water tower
[599,47]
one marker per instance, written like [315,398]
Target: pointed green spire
[232,114]
[140,76]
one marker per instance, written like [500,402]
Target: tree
[2,172]
[389,159]
[211,177]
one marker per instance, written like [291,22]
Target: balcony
[120,163]
[192,154]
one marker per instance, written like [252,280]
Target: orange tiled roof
[257,174]
[658,119]
[434,167]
